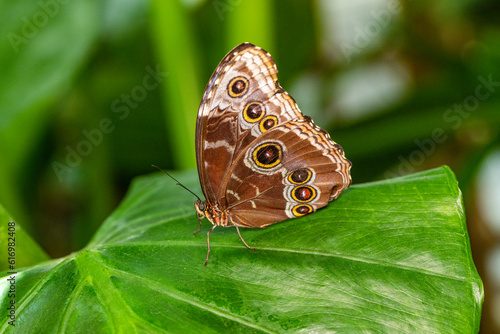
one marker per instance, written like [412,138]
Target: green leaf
[260,32]
[388,257]
[27,252]
[172,33]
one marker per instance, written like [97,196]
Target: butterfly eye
[300,176]
[253,112]
[267,123]
[238,86]
[302,210]
[201,206]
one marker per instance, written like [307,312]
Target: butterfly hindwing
[292,170]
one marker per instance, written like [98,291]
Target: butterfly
[260,160]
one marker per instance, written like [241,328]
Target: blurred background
[94,92]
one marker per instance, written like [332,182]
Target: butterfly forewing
[228,122]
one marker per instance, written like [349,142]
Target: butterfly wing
[258,157]
[290,171]
[242,100]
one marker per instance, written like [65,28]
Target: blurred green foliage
[94,92]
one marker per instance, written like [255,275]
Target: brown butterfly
[260,161]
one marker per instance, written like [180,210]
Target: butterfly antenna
[178,183]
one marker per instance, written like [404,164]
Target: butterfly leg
[199,226]
[237,229]
[208,243]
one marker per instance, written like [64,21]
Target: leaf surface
[391,256]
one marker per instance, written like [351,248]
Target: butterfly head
[201,208]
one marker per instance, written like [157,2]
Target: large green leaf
[391,256]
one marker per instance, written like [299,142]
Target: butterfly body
[213,213]
[260,160]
